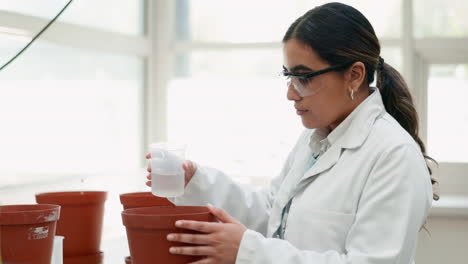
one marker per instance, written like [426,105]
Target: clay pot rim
[150,218]
[29,214]
[129,197]
[72,197]
[136,211]
[134,195]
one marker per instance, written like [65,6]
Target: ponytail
[398,102]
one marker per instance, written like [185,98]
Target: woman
[354,189]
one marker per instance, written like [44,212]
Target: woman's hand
[188,166]
[219,242]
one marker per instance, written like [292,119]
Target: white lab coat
[363,202]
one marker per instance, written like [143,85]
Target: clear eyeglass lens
[299,84]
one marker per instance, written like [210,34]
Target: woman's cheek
[310,120]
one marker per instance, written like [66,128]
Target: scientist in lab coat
[356,187]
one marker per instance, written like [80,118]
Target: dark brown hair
[339,33]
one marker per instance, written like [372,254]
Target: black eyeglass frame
[310,75]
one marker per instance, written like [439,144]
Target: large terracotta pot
[148,227]
[80,222]
[27,233]
[142,199]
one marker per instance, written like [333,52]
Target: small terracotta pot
[142,199]
[96,258]
[80,222]
[27,233]
[128,260]
[147,228]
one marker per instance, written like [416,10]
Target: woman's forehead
[297,54]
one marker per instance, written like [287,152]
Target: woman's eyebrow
[298,68]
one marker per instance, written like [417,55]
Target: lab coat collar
[351,133]
[359,123]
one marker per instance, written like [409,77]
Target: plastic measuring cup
[167,174]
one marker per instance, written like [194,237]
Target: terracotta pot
[96,258]
[147,228]
[142,199]
[80,222]
[27,233]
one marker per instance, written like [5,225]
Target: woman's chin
[310,124]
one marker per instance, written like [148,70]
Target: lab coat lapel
[325,162]
[288,188]
[294,177]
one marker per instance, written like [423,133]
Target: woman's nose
[292,94]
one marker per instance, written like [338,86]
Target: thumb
[222,215]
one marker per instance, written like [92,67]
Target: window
[232,108]
[69,108]
[447,113]
[433,18]
[71,111]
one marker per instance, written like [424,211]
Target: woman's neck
[358,99]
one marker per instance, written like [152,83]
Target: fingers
[193,251]
[148,183]
[189,168]
[190,238]
[205,227]
[149,168]
[187,165]
[192,166]
[222,215]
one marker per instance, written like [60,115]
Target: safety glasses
[301,81]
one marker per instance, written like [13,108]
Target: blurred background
[79,108]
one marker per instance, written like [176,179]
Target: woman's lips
[301,112]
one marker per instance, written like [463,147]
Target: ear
[355,76]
